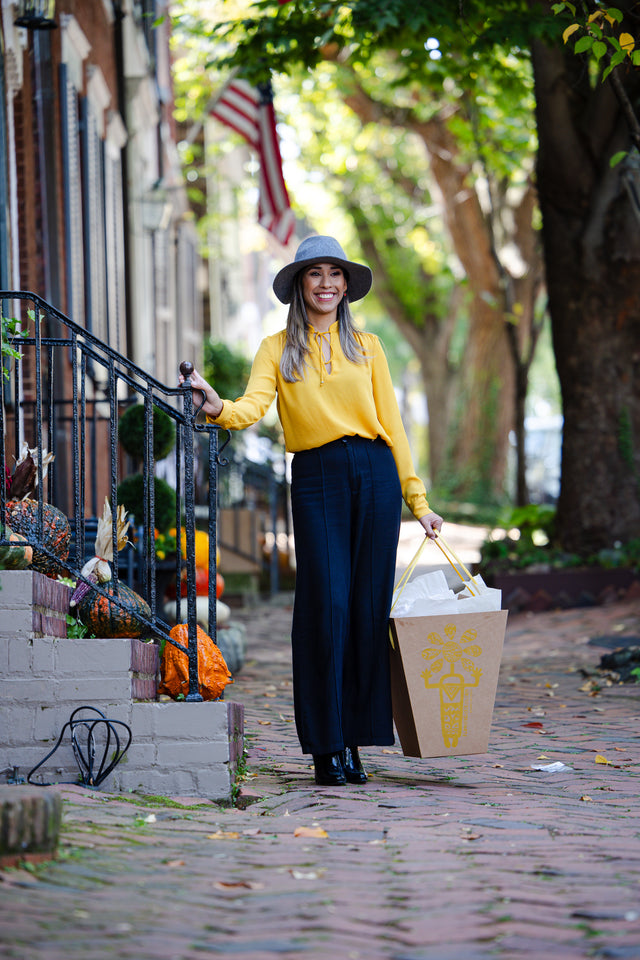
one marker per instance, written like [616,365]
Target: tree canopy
[459,77]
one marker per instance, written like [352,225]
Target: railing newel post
[186,369]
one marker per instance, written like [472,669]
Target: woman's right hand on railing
[213,404]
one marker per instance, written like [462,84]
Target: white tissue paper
[430,595]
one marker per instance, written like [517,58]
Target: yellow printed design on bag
[455,688]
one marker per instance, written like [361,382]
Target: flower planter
[560,589]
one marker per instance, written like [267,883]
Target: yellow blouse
[336,398]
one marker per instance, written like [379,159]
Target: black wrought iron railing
[63,393]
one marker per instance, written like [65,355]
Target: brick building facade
[94,216]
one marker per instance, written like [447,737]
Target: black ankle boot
[353,769]
[329,769]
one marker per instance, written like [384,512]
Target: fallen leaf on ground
[499,766]
[240,885]
[467,834]
[265,723]
[385,750]
[587,799]
[270,694]
[223,835]
[542,756]
[174,863]
[310,832]
[601,759]
[533,723]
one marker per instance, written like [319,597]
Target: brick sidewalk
[452,859]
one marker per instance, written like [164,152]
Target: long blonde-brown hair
[296,351]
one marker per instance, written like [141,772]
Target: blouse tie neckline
[323,338]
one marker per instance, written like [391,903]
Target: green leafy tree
[412,97]
[589,223]
[226,369]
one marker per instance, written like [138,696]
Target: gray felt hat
[323,250]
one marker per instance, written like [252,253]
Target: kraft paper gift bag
[444,667]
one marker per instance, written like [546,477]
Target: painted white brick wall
[177,749]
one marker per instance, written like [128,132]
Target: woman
[351,467]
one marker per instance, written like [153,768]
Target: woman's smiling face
[323,287]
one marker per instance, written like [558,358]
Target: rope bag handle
[450,555]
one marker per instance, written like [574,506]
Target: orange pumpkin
[213,672]
[202,584]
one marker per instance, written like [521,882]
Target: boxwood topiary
[131,432]
[131,493]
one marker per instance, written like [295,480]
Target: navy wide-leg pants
[346,502]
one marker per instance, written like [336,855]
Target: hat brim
[359,279]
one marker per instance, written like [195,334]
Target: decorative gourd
[201,544]
[98,568]
[202,585]
[231,641]
[223,612]
[105,617]
[22,515]
[17,554]
[213,672]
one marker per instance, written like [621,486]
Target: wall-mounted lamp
[36,14]
[156,208]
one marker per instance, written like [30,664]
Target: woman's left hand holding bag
[431,523]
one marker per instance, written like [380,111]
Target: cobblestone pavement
[449,859]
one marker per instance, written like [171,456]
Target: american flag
[249,111]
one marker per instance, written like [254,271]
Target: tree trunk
[430,343]
[484,408]
[485,404]
[592,252]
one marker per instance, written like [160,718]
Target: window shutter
[95,255]
[72,179]
[115,243]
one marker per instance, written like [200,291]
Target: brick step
[177,748]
